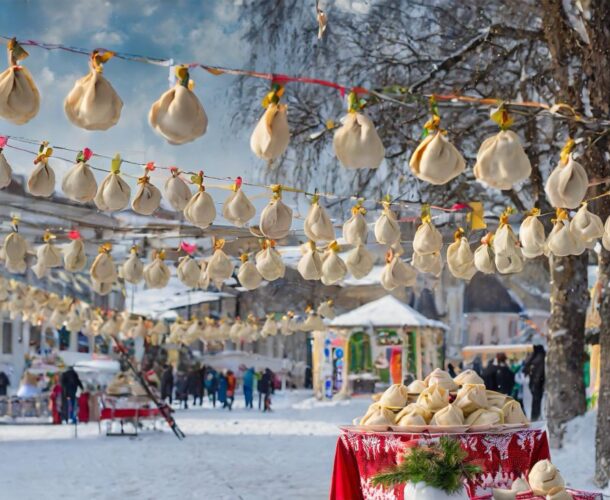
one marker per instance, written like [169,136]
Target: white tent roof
[385,312]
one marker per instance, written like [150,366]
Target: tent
[419,337]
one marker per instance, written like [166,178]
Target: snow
[384,312]
[226,455]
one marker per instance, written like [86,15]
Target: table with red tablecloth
[503,456]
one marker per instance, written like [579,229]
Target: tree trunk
[565,386]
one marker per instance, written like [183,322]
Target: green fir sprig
[441,465]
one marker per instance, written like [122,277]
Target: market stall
[382,340]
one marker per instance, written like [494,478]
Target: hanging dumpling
[132,269]
[359,262]
[333,268]
[313,323]
[606,235]
[531,235]
[271,135]
[6,172]
[509,262]
[40,270]
[177,191]
[103,270]
[147,198]
[269,262]
[248,274]
[484,256]
[14,249]
[436,160]
[204,277]
[567,185]
[276,217]
[460,259]
[356,142]
[200,210]
[326,309]
[270,326]
[428,238]
[113,193]
[75,258]
[397,273]
[42,179]
[48,254]
[79,183]
[188,271]
[317,226]
[501,161]
[238,209]
[561,241]
[387,230]
[156,273]
[92,103]
[508,255]
[431,263]
[219,267]
[178,115]
[586,226]
[355,229]
[19,97]
[310,264]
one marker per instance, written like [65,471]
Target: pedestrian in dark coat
[4,383]
[182,394]
[70,383]
[498,376]
[195,385]
[534,369]
[167,383]
[267,388]
[211,384]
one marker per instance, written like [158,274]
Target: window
[7,338]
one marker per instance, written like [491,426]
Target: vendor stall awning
[386,312]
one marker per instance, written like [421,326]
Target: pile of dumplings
[544,480]
[442,401]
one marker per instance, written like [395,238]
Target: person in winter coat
[167,383]
[70,383]
[202,376]
[195,385]
[498,376]
[182,394]
[534,369]
[211,385]
[267,388]
[231,384]
[55,401]
[222,389]
[4,383]
[249,386]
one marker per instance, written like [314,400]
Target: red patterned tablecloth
[361,454]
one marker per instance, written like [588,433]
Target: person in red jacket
[231,383]
[55,400]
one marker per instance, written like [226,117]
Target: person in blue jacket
[249,378]
[222,388]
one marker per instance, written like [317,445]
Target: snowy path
[243,454]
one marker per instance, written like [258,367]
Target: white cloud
[108,38]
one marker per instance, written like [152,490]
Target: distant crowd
[219,387]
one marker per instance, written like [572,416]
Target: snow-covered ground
[227,455]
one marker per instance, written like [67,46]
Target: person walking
[182,394]
[167,383]
[267,388]
[231,384]
[195,385]
[4,383]
[202,377]
[55,400]
[211,385]
[498,376]
[534,369]
[222,389]
[451,370]
[70,383]
[249,386]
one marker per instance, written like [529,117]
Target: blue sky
[187,30]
